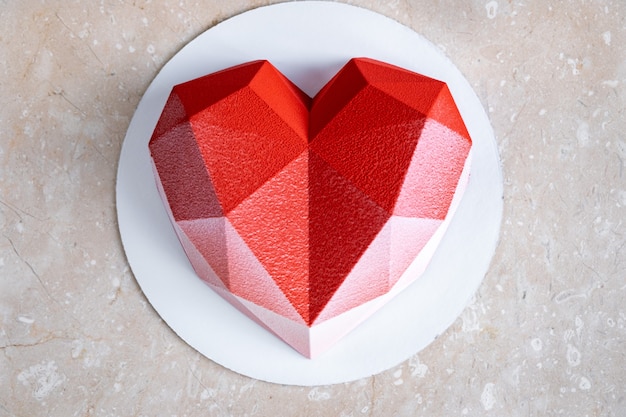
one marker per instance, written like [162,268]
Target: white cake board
[309,42]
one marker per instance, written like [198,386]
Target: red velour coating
[432,177]
[209,237]
[183,174]
[382,138]
[311,196]
[199,94]
[243,149]
[445,112]
[343,221]
[273,222]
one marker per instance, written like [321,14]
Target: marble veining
[545,335]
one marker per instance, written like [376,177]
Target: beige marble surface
[544,335]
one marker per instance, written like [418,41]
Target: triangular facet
[374,150]
[198,94]
[343,221]
[407,238]
[414,90]
[189,191]
[334,96]
[250,280]
[433,174]
[173,114]
[209,238]
[289,103]
[367,280]
[273,222]
[198,261]
[295,334]
[242,150]
[444,111]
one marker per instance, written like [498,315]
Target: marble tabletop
[544,335]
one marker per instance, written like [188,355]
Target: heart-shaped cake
[304,213]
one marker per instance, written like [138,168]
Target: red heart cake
[305,213]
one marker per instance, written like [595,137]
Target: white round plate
[309,42]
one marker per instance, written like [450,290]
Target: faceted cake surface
[297,209]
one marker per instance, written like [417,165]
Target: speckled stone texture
[545,334]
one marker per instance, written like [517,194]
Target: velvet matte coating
[384,144]
[343,223]
[242,150]
[273,222]
[432,176]
[304,211]
[190,189]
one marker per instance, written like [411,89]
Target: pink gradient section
[273,223]
[433,174]
[382,264]
[408,238]
[198,262]
[368,279]
[209,239]
[295,334]
[249,279]
[221,258]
